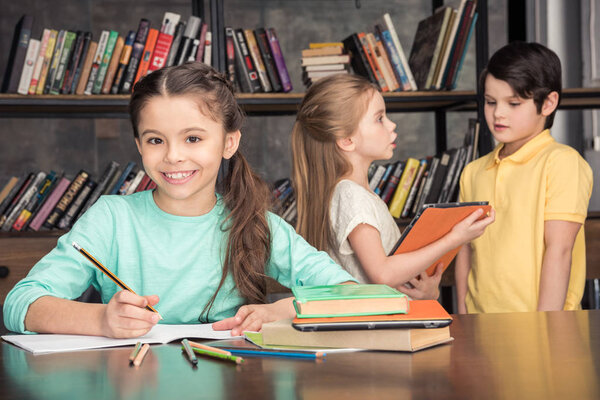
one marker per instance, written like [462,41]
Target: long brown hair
[245,194]
[331,109]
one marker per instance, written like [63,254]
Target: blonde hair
[331,109]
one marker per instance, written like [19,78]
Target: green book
[108,52]
[65,55]
[348,300]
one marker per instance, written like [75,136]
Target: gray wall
[71,144]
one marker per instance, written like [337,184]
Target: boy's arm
[559,239]
[462,266]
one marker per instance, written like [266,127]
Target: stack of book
[408,184]
[284,200]
[365,316]
[323,59]
[255,61]
[67,62]
[40,201]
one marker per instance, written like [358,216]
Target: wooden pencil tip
[159,316]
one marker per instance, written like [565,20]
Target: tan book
[46,62]
[258,61]
[8,187]
[341,59]
[407,339]
[320,45]
[386,72]
[87,67]
[112,67]
[323,51]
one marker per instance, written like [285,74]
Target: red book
[146,54]
[161,51]
[143,183]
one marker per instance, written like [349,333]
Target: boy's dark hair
[532,71]
[245,194]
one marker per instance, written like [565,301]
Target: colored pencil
[209,348]
[277,353]
[189,352]
[235,359]
[140,356]
[108,273]
[135,351]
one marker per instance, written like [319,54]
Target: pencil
[135,351]
[108,273]
[209,348]
[140,356]
[235,359]
[189,352]
[277,353]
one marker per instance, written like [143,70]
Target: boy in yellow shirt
[533,256]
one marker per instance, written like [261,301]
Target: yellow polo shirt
[543,180]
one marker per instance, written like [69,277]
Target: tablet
[432,222]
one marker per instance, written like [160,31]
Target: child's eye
[490,102]
[154,141]
[380,118]
[193,139]
[515,104]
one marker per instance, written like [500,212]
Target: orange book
[432,223]
[146,54]
[112,67]
[372,61]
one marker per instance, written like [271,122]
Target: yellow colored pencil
[209,348]
[108,273]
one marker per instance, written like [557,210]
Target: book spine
[112,67]
[451,40]
[392,184]
[28,194]
[135,182]
[17,54]
[128,168]
[49,204]
[202,37]
[13,188]
[39,89]
[72,64]
[106,57]
[144,182]
[388,171]
[458,41]
[208,49]
[177,36]
[377,175]
[258,61]
[146,55]
[464,53]
[64,61]
[136,55]
[30,59]
[161,51]
[414,189]
[246,60]
[86,68]
[241,69]
[395,60]
[191,32]
[7,189]
[391,28]
[438,47]
[39,62]
[16,197]
[25,216]
[384,63]
[358,59]
[123,62]
[58,48]
[230,58]
[406,181]
[369,53]
[263,46]
[284,76]
[97,60]
[438,179]
[109,172]
[70,215]
[66,200]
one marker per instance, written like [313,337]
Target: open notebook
[162,333]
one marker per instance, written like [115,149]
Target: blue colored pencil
[277,353]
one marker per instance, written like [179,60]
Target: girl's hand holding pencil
[126,315]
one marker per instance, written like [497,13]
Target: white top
[352,204]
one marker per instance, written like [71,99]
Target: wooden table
[553,355]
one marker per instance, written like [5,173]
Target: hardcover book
[136,55]
[106,57]
[86,68]
[109,172]
[282,71]
[66,199]
[113,65]
[123,62]
[146,55]
[39,85]
[28,194]
[414,189]
[358,58]
[27,72]
[97,60]
[69,217]
[251,82]
[33,205]
[372,61]
[265,51]
[423,48]
[257,59]
[49,204]
[14,198]
[58,48]
[341,300]
[406,181]
[389,25]
[16,57]
[201,46]
[65,56]
[79,52]
[392,183]
[241,68]
[177,36]
[189,34]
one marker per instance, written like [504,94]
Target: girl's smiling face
[182,149]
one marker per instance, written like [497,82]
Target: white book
[161,333]
[30,58]
[97,60]
[39,62]
[169,22]
[377,175]
[135,182]
[390,26]
[325,67]
[207,48]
